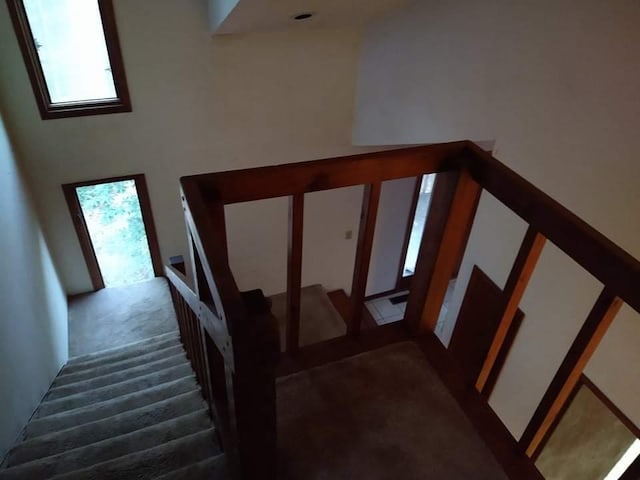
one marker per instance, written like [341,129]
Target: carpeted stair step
[211,469]
[122,353]
[116,377]
[111,448]
[151,463]
[97,411]
[50,407]
[97,431]
[67,378]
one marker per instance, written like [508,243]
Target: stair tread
[122,353]
[96,431]
[57,392]
[66,378]
[210,469]
[111,448]
[152,462]
[110,392]
[107,408]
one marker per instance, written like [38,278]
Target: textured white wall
[200,104]
[556,85]
[33,323]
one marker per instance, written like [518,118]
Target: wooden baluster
[439,258]
[294,271]
[582,348]
[368,216]
[517,282]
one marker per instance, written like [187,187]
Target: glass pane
[420,218]
[72,49]
[114,219]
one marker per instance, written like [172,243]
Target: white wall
[200,104]
[396,197]
[33,324]
[556,84]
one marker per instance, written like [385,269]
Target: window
[72,54]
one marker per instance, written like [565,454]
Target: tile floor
[383,311]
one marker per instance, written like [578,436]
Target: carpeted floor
[319,320]
[380,415]
[118,316]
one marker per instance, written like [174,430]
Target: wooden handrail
[247,344]
[605,260]
[297,178]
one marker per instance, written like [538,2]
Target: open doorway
[114,223]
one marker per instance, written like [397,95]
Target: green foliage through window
[114,219]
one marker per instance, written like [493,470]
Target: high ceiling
[276,15]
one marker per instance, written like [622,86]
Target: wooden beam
[452,246]
[368,216]
[294,271]
[606,261]
[289,179]
[585,343]
[514,289]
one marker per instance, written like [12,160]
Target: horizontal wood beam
[606,261]
[568,375]
[368,216]
[514,289]
[294,178]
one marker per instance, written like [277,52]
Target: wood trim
[584,381]
[304,177]
[80,226]
[443,191]
[368,217]
[49,110]
[82,230]
[475,328]
[451,249]
[521,273]
[565,379]
[294,271]
[606,261]
[335,349]
[626,421]
[487,424]
[633,472]
[149,225]
[402,282]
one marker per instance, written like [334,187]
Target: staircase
[130,412]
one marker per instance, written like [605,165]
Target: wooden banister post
[294,271]
[448,226]
[369,213]
[582,348]
[517,282]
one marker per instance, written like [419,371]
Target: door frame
[82,230]
[441,196]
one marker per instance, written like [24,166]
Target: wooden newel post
[251,389]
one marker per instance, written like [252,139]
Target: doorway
[114,223]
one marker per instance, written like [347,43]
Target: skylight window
[72,55]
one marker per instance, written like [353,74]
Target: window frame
[50,110]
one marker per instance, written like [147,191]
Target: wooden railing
[233,342]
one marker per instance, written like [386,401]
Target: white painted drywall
[396,197]
[556,84]
[201,104]
[33,324]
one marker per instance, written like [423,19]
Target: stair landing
[383,414]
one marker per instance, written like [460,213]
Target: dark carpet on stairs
[133,412]
[380,415]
